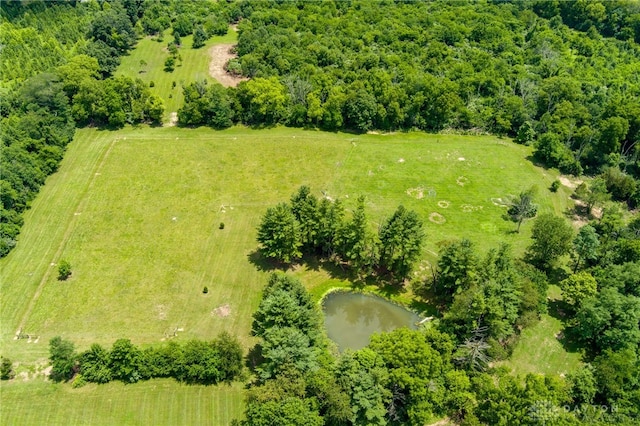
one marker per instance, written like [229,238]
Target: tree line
[506,68]
[194,361]
[309,226]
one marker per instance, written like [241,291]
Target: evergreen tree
[279,234]
[401,238]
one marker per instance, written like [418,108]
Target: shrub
[64,270]
[152,83]
[205,290]
[221,225]
[6,369]
[555,185]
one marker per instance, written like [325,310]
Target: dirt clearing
[220,55]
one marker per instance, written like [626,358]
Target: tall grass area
[158,402]
[146,62]
[137,213]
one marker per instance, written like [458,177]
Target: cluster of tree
[485,301]
[195,361]
[310,226]
[617,18]
[442,65]
[411,377]
[38,36]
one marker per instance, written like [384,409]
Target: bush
[64,270]
[221,225]
[205,290]
[152,83]
[6,369]
[555,185]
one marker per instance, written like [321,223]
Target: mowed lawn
[137,214]
[157,402]
[153,54]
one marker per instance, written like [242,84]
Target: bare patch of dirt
[222,311]
[437,218]
[173,119]
[573,184]
[221,54]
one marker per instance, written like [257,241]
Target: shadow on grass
[264,264]
[561,311]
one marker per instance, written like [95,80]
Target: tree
[551,237]
[94,365]
[64,270]
[199,37]
[230,357]
[354,239]
[457,268]
[585,246]
[522,207]
[292,411]
[124,361]
[578,287]
[364,378]
[304,206]
[264,101]
[609,321]
[284,346]
[63,359]
[401,238]
[593,194]
[279,234]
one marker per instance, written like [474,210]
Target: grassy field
[136,212]
[543,348]
[194,66]
[157,402]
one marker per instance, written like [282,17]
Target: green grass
[542,348]
[136,213]
[195,66]
[156,402]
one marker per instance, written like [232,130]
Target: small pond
[351,318]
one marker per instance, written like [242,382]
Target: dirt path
[220,55]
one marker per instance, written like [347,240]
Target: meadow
[137,213]
[146,62]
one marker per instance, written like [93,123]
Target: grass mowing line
[63,242]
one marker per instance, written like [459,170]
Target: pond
[351,318]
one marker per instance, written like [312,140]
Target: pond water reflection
[351,318]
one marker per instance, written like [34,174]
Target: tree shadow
[264,264]
[562,311]
[254,358]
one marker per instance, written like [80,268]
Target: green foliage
[620,185]
[593,194]
[365,378]
[457,268]
[206,104]
[401,238]
[279,234]
[555,185]
[64,270]
[585,246]
[95,365]
[522,207]
[170,63]
[608,321]
[264,101]
[199,37]
[552,238]
[124,361]
[288,412]
[577,288]
[62,356]
[6,369]
[354,243]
